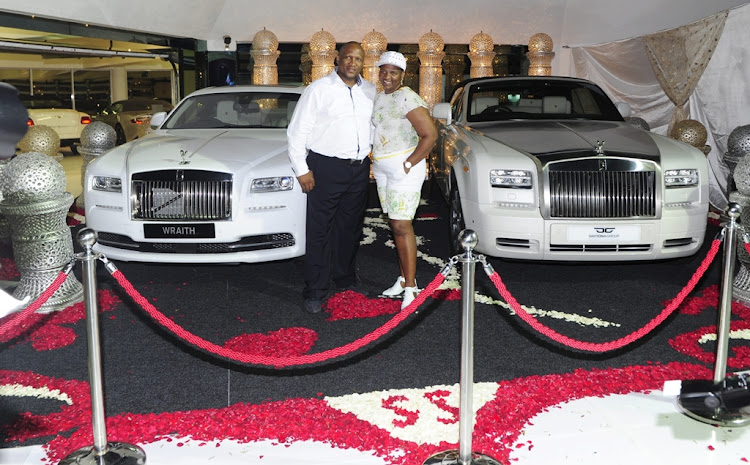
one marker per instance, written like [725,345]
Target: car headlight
[681,178]
[280,183]
[515,179]
[107,184]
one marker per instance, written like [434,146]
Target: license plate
[179,231]
[589,234]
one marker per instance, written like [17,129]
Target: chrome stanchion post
[723,401]
[464,454]
[102,452]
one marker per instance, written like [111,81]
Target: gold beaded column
[265,53]
[540,55]
[323,54]
[411,76]
[481,53]
[374,44]
[500,62]
[430,70]
[454,64]
[305,64]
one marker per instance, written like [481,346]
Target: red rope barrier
[21,317]
[618,343]
[278,362]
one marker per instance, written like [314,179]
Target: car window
[34,103]
[234,110]
[539,99]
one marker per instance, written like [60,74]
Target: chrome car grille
[182,195]
[602,194]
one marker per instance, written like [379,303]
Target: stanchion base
[452,456]
[723,404]
[117,453]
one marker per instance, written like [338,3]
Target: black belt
[348,161]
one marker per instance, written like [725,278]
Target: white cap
[392,58]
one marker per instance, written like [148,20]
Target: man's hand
[306,181]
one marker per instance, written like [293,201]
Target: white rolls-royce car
[211,184]
[545,168]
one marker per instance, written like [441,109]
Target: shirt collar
[359,77]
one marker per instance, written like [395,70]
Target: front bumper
[520,233]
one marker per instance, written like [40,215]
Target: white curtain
[721,101]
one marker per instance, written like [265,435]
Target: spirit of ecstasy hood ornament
[183,154]
[599,150]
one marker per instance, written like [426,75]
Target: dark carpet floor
[147,369]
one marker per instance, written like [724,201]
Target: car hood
[556,140]
[219,150]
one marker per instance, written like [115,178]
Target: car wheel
[456,220]
[120,135]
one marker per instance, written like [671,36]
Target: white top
[331,119]
[394,133]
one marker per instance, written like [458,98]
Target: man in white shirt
[329,142]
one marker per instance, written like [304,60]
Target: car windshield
[43,103]
[234,110]
[539,99]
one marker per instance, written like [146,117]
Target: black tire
[455,220]
[120,135]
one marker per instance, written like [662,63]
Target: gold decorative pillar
[540,55]
[323,53]
[500,61]
[481,53]
[430,70]
[411,76]
[265,53]
[305,64]
[374,44]
[454,64]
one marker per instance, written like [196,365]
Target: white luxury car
[211,184]
[545,168]
[67,123]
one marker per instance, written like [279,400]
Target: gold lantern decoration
[691,132]
[323,54]
[411,76]
[540,55]
[374,44]
[305,64]
[430,70]
[265,53]
[454,64]
[481,54]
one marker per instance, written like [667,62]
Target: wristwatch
[407,165]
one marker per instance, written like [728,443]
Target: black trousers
[335,215]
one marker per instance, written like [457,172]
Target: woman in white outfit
[403,137]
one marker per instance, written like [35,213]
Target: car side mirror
[158,118]
[442,111]
[624,109]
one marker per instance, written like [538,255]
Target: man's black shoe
[312,306]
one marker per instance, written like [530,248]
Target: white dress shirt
[331,119]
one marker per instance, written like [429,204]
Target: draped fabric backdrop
[719,100]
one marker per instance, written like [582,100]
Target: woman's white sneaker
[410,293]
[396,290]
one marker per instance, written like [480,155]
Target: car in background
[212,184]
[66,122]
[545,168]
[130,118]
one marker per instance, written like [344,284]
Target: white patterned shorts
[398,191]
